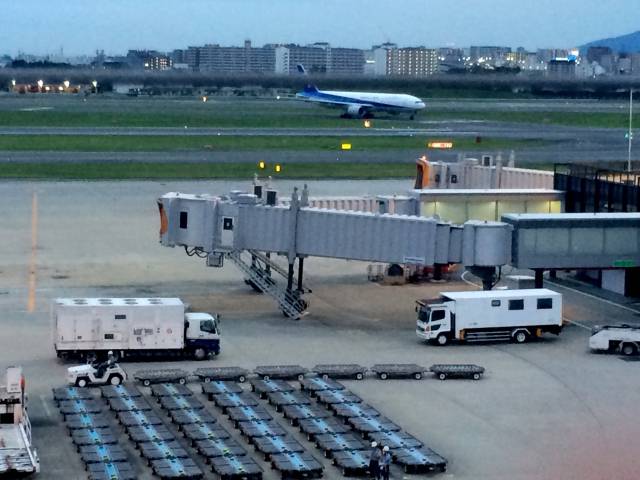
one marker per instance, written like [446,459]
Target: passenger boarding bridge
[248,229]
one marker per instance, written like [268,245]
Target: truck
[132,327]
[623,338]
[18,457]
[491,315]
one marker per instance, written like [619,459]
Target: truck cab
[202,334]
[434,320]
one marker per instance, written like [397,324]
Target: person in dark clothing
[374,461]
[102,367]
[385,463]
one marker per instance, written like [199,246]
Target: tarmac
[544,410]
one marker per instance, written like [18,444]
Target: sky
[115,26]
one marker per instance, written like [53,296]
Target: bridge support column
[539,278]
[300,272]
[290,278]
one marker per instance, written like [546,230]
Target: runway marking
[47,411]
[31,302]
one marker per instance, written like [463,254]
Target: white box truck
[91,327]
[517,315]
[17,456]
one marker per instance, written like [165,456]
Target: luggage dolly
[352,463]
[170,375]
[398,370]
[236,374]
[340,370]
[452,370]
[419,460]
[283,372]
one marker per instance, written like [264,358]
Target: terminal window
[516,304]
[545,303]
[495,303]
[183,219]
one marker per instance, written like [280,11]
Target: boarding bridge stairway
[289,301]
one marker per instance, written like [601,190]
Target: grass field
[167,143]
[200,171]
[260,113]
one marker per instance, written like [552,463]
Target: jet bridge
[247,231]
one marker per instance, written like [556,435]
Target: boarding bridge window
[495,303]
[184,219]
[108,336]
[120,317]
[545,303]
[516,304]
[208,326]
[454,178]
[227,224]
[437,315]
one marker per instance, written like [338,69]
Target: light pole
[630,134]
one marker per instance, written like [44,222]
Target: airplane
[362,104]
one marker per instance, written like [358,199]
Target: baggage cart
[398,370]
[230,467]
[367,425]
[269,446]
[352,463]
[261,428]
[451,370]
[283,372]
[347,410]
[329,397]
[280,399]
[169,375]
[419,460]
[294,413]
[317,426]
[340,370]
[262,387]
[235,374]
[215,387]
[330,443]
[111,471]
[296,465]
[102,454]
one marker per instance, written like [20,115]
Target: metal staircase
[290,302]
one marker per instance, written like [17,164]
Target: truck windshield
[423,314]
[208,326]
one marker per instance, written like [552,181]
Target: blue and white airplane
[362,104]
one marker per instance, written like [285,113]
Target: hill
[623,44]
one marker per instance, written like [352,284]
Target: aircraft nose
[421,105]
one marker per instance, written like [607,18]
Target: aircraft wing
[340,103]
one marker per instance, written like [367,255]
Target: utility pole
[630,134]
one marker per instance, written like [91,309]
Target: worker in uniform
[374,460]
[102,367]
[385,462]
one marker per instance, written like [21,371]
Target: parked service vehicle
[90,327]
[517,315]
[616,338]
[17,455]
[88,375]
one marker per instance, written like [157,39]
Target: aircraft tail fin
[310,88]
[301,69]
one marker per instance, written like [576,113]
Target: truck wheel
[200,353]
[115,380]
[442,376]
[442,339]
[628,349]
[242,379]
[359,376]
[476,376]
[182,381]
[325,376]
[384,376]
[81,382]
[520,336]
[417,376]
[146,382]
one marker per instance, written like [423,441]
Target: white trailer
[91,327]
[517,315]
[616,338]
[17,455]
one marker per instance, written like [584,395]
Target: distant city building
[313,58]
[346,61]
[595,54]
[562,68]
[489,55]
[412,62]
[545,55]
[148,60]
[635,64]
[215,58]
[376,59]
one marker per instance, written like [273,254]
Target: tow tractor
[91,374]
[616,338]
